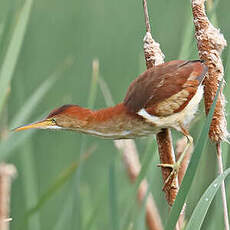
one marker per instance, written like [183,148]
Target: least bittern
[165,96]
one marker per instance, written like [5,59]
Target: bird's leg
[175,167]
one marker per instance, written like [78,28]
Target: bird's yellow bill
[37,125]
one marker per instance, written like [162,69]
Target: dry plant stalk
[167,156]
[132,163]
[180,146]
[7,172]
[154,56]
[223,192]
[210,43]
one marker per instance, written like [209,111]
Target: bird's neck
[116,123]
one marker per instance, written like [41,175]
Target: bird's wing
[171,84]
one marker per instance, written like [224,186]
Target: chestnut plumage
[164,96]
[164,81]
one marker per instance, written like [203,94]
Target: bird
[164,96]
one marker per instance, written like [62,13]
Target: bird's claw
[175,169]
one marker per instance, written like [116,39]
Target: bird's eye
[53,120]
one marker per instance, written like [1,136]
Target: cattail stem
[180,146]
[6,173]
[223,191]
[147,24]
[167,156]
[154,56]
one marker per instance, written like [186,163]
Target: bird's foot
[176,166]
[174,172]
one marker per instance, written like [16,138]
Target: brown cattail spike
[210,43]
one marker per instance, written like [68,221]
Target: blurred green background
[61,40]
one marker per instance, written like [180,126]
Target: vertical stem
[164,140]
[6,173]
[147,24]
[154,56]
[180,146]
[223,191]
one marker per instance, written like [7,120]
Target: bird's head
[70,117]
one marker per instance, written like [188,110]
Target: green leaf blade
[11,57]
[201,209]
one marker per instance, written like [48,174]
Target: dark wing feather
[161,82]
